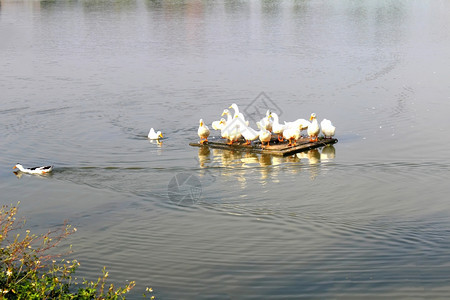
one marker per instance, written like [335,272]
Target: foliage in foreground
[27,271]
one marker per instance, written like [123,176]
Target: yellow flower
[8,273]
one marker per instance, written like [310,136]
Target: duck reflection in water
[250,160]
[19,175]
[328,153]
[265,161]
[239,165]
[228,158]
[156,142]
[313,157]
[204,156]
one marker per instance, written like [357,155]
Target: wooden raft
[275,147]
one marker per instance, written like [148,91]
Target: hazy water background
[81,83]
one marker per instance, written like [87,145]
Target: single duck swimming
[35,170]
[153,135]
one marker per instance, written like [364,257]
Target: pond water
[82,82]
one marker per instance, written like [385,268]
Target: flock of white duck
[236,126]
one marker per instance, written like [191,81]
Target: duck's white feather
[218,125]
[276,126]
[301,124]
[35,170]
[238,114]
[328,129]
[267,121]
[203,130]
[264,134]
[313,129]
[153,135]
[249,133]
[291,133]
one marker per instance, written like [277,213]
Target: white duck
[301,124]
[231,132]
[218,125]
[249,134]
[224,130]
[203,132]
[264,136]
[35,170]
[267,121]
[328,129]
[153,135]
[228,114]
[277,127]
[292,134]
[313,129]
[238,114]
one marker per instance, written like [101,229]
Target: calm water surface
[82,82]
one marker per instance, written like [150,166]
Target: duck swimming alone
[153,135]
[35,170]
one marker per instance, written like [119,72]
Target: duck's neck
[275,118]
[236,110]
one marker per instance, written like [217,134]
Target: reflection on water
[328,153]
[158,143]
[19,175]
[240,164]
[204,154]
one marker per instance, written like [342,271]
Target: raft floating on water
[275,147]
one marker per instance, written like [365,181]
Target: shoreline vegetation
[28,271]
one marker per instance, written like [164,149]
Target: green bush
[27,271]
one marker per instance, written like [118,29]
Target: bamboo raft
[275,147]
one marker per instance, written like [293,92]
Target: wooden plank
[275,148]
